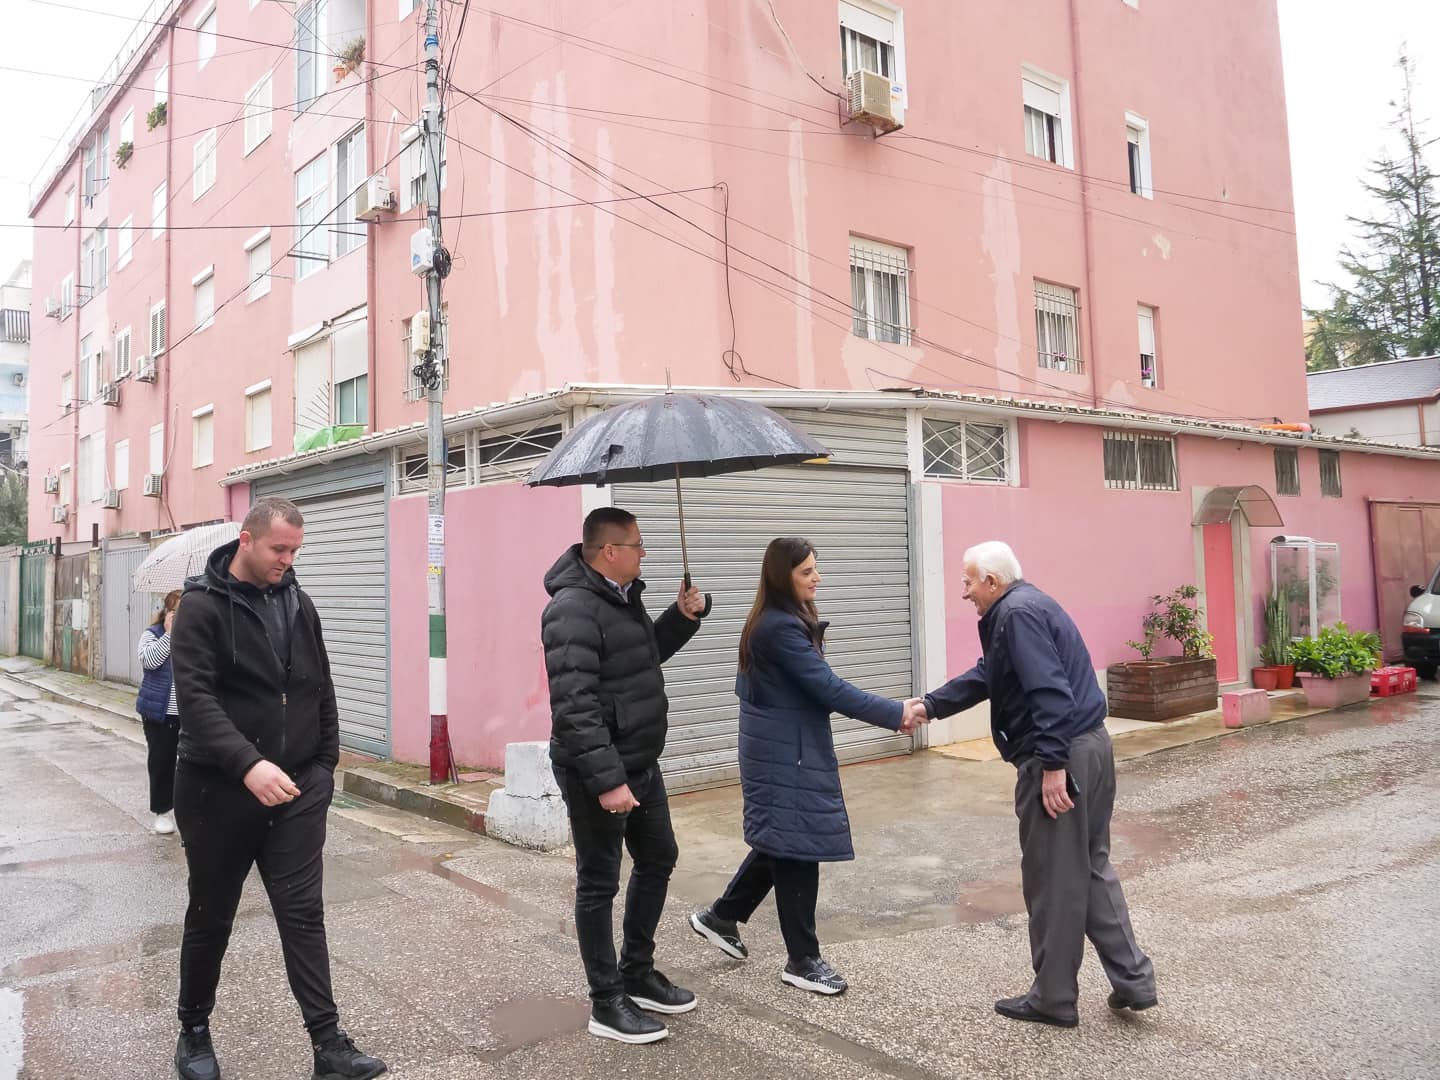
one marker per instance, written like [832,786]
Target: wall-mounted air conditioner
[154,484]
[111,499]
[110,393]
[876,101]
[145,369]
[374,198]
[59,514]
[52,485]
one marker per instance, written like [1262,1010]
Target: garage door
[1407,549]
[857,518]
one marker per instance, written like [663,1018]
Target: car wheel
[1425,671]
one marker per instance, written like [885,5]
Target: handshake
[913,716]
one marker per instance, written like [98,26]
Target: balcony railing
[15,325]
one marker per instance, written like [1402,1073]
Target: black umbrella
[671,436]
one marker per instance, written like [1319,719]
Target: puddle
[527,1021]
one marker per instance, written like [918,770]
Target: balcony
[15,326]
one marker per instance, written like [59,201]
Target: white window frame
[124,351]
[259,113]
[67,295]
[202,420]
[1050,95]
[70,205]
[412,164]
[159,203]
[257,250]
[871,260]
[1117,446]
[1057,330]
[253,396]
[310,50]
[951,450]
[67,486]
[203,155]
[350,232]
[127,128]
[311,238]
[204,285]
[157,450]
[162,86]
[159,341]
[1145,325]
[90,486]
[67,391]
[1137,134]
[205,27]
[87,379]
[125,242]
[120,471]
[884,26]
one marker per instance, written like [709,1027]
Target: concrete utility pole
[442,761]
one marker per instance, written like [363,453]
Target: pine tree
[14,509]
[1391,309]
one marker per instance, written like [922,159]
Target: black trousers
[160,743]
[797,888]
[599,836]
[225,831]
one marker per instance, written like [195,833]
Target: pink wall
[502,540]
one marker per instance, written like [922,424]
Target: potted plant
[1277,673]
[1334,666]
[123,153]
[350,58]
[156,117]
[1162,688]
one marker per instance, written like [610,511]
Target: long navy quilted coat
[794,808]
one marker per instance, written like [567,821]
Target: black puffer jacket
[603,657]
[239,704]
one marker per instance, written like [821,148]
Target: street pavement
[1285,880]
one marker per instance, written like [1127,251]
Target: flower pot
[1285,673]
[1265,678]
[1161,689]
[341,70]
[1323,693]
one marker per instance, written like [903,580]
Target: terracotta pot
[1323,693]
[340,72]
[1265,678]
[1286,676]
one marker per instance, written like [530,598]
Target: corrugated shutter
[124,613]
[856,438]
[858,520]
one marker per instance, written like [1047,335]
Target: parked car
[1421,628]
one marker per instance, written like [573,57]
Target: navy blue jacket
[1037,675]
[153,701]
[794,808]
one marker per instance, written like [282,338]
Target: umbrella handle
[706,609]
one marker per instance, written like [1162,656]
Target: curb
[448,804]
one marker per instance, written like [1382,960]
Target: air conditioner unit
[59,514]
[145,369]
[18,378]
[52,308]
[154,483]
[52,485]
[374,198]
[111,500]
[420,333]
[876,101]
[110,394]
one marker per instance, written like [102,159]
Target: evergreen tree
[14,508]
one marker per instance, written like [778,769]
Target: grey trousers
[1071,890]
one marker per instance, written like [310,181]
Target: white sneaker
[164,823]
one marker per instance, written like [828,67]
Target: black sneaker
[337,1059]
[815,975]
[656,993]
[195,1054]
[617,1018]
[724,935]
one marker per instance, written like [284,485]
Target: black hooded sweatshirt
[247,694]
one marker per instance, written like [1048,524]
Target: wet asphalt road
[1285,880]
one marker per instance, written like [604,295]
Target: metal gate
[124,613]
[9,566]
[34,568]
[70,650]
[858,520]
[1406,540]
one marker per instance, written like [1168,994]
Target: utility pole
[442,761]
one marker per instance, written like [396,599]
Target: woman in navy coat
[794,809]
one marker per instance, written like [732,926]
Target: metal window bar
[413,468]
[969,451]
[16,325]
[511,455]
[1135,462]
[880,291]
[1330,474]
[414,388]
[1287,471]
[1057,322]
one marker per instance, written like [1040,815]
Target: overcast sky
[1340,77]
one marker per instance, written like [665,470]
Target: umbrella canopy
[181,557]
[674,435]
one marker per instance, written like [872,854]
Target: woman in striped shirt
[160,714]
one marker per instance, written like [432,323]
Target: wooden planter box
[1161,689]
[1323,693]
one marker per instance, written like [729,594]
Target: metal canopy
[1222,502]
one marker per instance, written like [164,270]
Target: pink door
[1220,599]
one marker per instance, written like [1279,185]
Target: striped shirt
[154,651]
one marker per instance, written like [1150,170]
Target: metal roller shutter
[124,613]
[857,518]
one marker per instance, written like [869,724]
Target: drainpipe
[1420,412]
[75,350]
[371,382]
[1080,162]
[162,504]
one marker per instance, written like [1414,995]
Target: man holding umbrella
[608,708]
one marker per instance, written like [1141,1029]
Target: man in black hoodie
[259,742]
[608,725]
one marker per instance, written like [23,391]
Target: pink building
[1053,306]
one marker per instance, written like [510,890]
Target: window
[966,450]
[69,206]
[203,154]
[127,128]
[257,416]
[414,389]
[67,391]
[880,291]
[125,242]
[158,201]
[96,156]
[868,39]
[258,117]
[1047,117]
[1137,146]
[1287,470]
[310,56]
[414,467]
[1057,327]
[88,154]
[122,353]
[202,441]
[95,262]
[157,330]
[91,468]
[352,383]
[1139,462]
[162,86]
[88,375]
[204,283]
[157,449]
[1149,370]
[349,177]
[332,378]
[1330,474]
[67,295]
[205,38]
[352,401]
[412,193]
[121,474]
[311,251]
[257,256]
[67,486]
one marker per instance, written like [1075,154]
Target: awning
[1222,502]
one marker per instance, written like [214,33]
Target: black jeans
[225,831]
[599,835]
[797,888]
[160,742]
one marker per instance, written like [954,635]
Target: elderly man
[1048,720]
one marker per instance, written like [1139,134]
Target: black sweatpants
[160,742]
[797,890]
[225,831]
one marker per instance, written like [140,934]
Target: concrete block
[540,824]
[527,770]
[1241,707]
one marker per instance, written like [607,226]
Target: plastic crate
[1389,681]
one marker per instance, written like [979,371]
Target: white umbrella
[181,557]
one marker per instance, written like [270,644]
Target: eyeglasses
[612,544]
